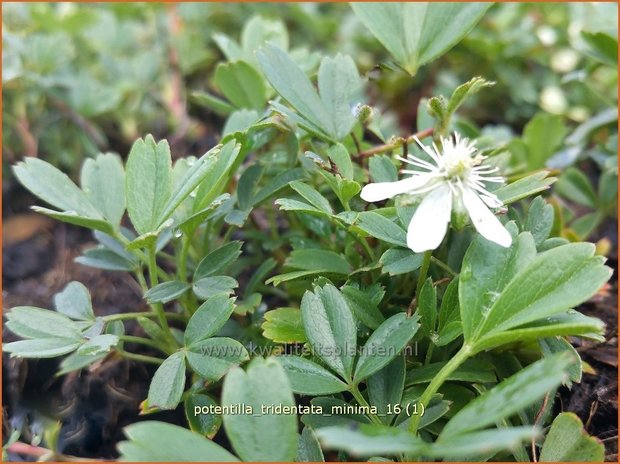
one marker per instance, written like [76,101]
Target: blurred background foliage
[83,78]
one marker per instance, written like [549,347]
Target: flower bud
[363,113]
[460,217]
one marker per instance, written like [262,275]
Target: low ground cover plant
[324,287]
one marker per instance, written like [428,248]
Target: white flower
[454,178]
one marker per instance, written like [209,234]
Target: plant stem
[362,401]
[182,265]
[158,308]
[140,357]
[429,353]
[426,262]
[444,266]
[125,316]
[437,382]
[395,144]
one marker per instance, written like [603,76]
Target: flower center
[457,165]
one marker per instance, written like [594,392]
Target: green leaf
[524,187]
[54,187]
[575,185]
[397,261]
[214,357]
[308,378]
[202,170]
[309,449]
[603,46]
[295,275]
[539,220]
[509,396]
[542,136]
[341,158]
[312,196]
[260,30]
[338,82]
[168,383]
[76,361]
[382,228]
[567,441]
[571,323]
[218,260]
[308,259]
[74,301]
[553,282]
[480,446]
[265,436]
[70,217]
[206,100]
[277,183]
[247,184]
[427,308]
[31,322]
[206,424]
[162,442]
[385,344]
[382,169]
[288,204]
[464,91]
[166,291]
[241,84]
[231,49]
[330,328]
[283,325]
[362,307]
[98,345]
[215,181]
[208,319]
[370,439]
[148,183]
[487,269]
[41,347]
[449,326]
[102,258]
[208,287]
[240,121]
[292,84]
[385,387]
[103,181]
[416,33]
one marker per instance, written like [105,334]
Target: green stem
[443,266]
[140,357]
[396,143]
[182,267]
[429,353]
[437,382]
[362,401]
[140,340]
[426,262]
[158,308]
[141,280]
[125,316]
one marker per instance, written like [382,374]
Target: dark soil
[95,404]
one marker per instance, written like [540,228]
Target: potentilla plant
[424,318]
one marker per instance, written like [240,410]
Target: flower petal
[430,221]
[485,222]
[383,190]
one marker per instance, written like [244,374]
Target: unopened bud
[363,113]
